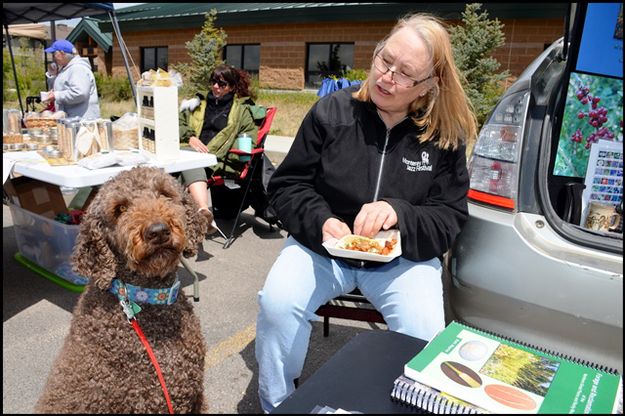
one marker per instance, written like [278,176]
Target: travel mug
[244,143]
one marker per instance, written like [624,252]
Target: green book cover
[506,377]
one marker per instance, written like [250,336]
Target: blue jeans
[408,294]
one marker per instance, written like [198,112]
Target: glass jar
[14,121]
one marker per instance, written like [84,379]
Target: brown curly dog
[130,242]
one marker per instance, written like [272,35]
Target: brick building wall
[525,40]
[283,47]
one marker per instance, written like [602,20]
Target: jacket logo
[422,165]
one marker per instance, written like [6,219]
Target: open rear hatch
[581,182]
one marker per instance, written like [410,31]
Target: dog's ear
[196,226]
[92,256]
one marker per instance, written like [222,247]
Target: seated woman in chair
[212,125]
[387,154]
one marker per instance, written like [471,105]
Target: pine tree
[473,43]
[205,52]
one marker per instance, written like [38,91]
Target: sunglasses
[219,82]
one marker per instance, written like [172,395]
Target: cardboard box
[36,196]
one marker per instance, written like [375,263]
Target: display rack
[158,121]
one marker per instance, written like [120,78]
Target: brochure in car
[383,247]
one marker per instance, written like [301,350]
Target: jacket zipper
[377,185]
[379,180]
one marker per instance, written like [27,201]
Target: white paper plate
[330,245]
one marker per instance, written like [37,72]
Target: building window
[154,58]
[325,59]
[243,56]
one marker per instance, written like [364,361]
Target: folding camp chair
[249,175]
[352,305]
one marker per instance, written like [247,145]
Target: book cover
[506,377]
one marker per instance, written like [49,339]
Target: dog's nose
[157,233]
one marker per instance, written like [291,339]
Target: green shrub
[473,43]
[205,52]
[7,72]
[113,88]
[356,74]
[30,69]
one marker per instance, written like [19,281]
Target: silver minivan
[530,264]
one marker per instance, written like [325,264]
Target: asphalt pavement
[37,314]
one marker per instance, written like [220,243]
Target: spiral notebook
[467,371]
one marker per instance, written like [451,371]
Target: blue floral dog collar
[161,296]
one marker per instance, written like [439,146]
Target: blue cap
[61,45]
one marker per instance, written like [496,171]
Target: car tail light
[494,164]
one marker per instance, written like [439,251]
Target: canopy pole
[123,50]
[17,85]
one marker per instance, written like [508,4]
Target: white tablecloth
[32,165]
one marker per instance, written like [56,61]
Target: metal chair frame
[336,308]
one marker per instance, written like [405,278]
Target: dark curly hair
[239,79]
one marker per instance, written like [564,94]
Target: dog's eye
[120,209]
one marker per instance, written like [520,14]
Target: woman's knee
[276,307]
[413,302]
[421,318]
[293,285]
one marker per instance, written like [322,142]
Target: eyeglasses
[398,78]
[219,82]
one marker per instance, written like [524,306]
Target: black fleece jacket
[343,157]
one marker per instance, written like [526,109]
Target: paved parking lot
[37,313]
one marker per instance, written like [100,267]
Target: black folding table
[359,377]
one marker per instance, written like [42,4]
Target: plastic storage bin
[46,242]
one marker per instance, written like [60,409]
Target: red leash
[131,309]
[146,344]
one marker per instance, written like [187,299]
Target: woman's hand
[197,145]
[373,217]
[334,228]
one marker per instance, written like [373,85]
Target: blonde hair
[445,112]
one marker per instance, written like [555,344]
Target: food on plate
[367,245]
